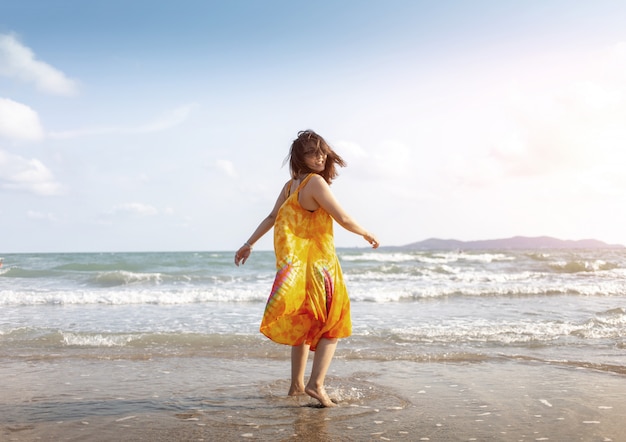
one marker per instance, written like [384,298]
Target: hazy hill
[516,242]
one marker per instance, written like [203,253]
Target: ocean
[563,305]
[446,345]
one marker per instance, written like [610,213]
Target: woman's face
[314,158]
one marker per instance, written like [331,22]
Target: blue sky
[135,125]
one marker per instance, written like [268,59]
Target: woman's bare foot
[320,395]
[296,390]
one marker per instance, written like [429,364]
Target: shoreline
[206,398]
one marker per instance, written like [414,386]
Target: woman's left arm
[321,193]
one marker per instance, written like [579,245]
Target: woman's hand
[243,254]
[372,240]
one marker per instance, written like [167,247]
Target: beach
[206,399]
[446,346]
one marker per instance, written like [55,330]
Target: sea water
[559,306]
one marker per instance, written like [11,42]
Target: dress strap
[304,181]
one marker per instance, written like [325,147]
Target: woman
[308,307]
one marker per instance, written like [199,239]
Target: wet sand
[206,398]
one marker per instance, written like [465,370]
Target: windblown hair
[308,141]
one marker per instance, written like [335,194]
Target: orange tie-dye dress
[309,300]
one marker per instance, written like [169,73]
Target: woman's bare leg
[299,356]
[323,357]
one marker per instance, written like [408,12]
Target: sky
[163,126]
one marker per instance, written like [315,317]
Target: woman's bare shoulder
[316,187]
[318,180]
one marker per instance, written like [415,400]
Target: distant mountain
[516,242]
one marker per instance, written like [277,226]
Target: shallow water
[209,398]
[500,345]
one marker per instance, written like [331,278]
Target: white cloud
[29,175]
[167,121]
[227,167]
[139,209]
[18,121]
[19,62]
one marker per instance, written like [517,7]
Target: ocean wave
[477,287]
[377,257]
[394,354]
[539,256]
[425,257]
[38,337]
[367,288]
[465,256]
[124,277]
[24,338]
[130,296]
[96,340]
[582,266]
[511,333]
[481,333]
[20,272]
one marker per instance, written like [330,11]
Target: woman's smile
[316,161]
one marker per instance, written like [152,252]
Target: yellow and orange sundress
[309,300]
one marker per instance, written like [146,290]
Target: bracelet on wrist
[248,244]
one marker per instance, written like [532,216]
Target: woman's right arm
[242,255]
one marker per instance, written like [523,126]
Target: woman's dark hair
[310,142]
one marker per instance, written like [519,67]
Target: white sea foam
[377,257]
[368,286]
[188,295]
[96,340]
[489,332]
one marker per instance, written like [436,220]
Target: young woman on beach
[308,307]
